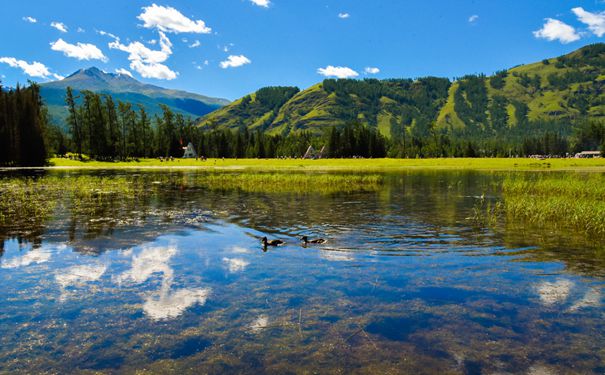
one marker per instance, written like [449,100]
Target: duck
[272,242]
[306,240]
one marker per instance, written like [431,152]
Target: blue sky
[228,48]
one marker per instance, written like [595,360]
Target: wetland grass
[569,201]
[560,201]
[351,165]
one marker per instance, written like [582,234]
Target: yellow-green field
[357,165]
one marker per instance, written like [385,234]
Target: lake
[115,272]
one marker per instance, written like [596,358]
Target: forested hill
[553,94]
[122,87]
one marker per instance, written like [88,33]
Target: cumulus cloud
[195,44]
[79,275]
[149,261]
[344,15]
[124,72]
[171,304]
[552,293]
[235,61]
[337,71]
[147,62]
[371,70]
[35,256]
[473,18]
[170,20]
[80,51]
[557,30]
[236,264]
[59,26]
[261,3]
[34,69]
[594,21]
[30,19]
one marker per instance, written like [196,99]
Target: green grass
[352,165]
[566,201]
[574,202]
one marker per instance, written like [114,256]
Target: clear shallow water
[179,283]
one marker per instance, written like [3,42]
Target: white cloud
[80,51]
[595,21]
[59,26]
[473,18]
[149,261]
[371,70]
[105,33]
[34,69]
[30,19]
[169,305]
[235,61]
[195,44]
[124,72]
[260,323]
[58,77]
[337,71]
[170,20]
[557,30]
[236,264]
[147,62]
[81,30]
[555,292]
[344,15]
[261,3]
[35,256]
[79,275]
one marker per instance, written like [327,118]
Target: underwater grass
[33,199]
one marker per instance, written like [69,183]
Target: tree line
[101,129]
[23,122]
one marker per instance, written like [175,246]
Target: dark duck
[315,241]
[266,242]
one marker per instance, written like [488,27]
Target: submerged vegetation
[23,199]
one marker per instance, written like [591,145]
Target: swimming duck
[272,242]
[306,240]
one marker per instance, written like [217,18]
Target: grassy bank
[360,165]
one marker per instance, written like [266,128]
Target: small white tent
[189,152]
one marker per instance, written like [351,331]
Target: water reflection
[174,280]
[34,256]
[78,276]
[236,264]
[170,304]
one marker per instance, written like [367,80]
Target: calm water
[178,283]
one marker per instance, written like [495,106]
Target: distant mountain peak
[123,87]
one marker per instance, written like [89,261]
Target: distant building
[189,152]
[588,154]
[312,154]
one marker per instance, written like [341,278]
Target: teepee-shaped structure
[189,152]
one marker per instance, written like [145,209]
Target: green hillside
[124,88]
[556,91]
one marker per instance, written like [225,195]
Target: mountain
[554,91]
[127,89]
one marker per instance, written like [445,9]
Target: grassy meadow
[352,165]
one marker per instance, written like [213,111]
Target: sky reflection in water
[405,284]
